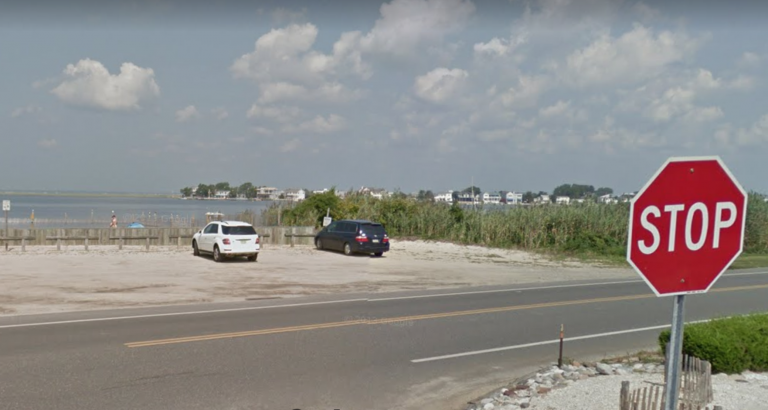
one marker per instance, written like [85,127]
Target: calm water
[73,211]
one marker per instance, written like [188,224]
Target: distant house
[579,200]
[295,195]
[491,198]
[563,200]
[444,197]
[514,198]
[341,194]
[379,193]
[324,190]
[542,199]
[469,199]
[604,199]
[221,195]
[266,192]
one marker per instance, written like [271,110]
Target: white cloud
[280,114]
[558,109]
[220,113]
[750,60]
[330,92]
[678,101]
[187,113]
[635,56]
[286,55]
[757,134]
[408,26]
[440,84]
[526,93]
[29,109]
[89,83]
[291,145]
[47,143]
[282,15]
[319,125]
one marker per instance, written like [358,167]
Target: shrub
[731,345]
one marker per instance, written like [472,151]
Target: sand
[44,280]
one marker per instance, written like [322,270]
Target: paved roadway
[417,350]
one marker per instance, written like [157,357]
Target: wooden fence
[695,389]
[276,235]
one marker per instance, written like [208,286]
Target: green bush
[589,228]
[731,345]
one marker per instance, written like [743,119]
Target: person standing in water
[114,222]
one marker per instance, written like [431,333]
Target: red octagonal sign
[686,226]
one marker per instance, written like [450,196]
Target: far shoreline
[90,194]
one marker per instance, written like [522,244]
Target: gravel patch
[597,387]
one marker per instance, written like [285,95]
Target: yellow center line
[409,318]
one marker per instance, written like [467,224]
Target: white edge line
[198,312]
[505,290]
[539,288]
[547,342]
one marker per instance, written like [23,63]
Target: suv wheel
[216,254]
[253,258]
[319,244]
[347,249]
[195,250]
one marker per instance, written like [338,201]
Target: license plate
[375,241]
[243,240]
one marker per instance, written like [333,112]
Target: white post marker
[686,227]
[6,209]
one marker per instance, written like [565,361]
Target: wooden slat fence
[695,389]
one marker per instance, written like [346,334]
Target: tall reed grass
[589,228]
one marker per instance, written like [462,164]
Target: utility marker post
[6,209]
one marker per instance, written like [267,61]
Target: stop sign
[686,226]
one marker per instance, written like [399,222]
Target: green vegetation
[588,230]
[731,345]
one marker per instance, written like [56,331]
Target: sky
[154,96]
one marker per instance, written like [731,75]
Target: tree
[603,191]
[574,190]
[472,190]
[186,192]
[429,196]
[245,189]
[222,186]
[203,191]
[528,197]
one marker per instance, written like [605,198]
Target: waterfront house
[562,200]
[266,193]
[491,198]
[221,195]
[514,198]
[444,197]
[295,195]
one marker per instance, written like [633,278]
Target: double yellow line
[408,318]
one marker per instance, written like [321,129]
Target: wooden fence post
[624,397]
[293,233]
[58,244]
[120,246]
[23,244]
[86,244]
[178,242]
[147,243]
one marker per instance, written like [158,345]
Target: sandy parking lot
[43,280]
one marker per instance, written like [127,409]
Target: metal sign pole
[674,351]
[6,230]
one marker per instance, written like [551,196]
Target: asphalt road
[418,350]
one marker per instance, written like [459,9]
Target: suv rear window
[373,229]
[238,230]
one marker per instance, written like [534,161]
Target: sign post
[6,208]
[686,227]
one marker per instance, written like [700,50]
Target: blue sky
[152,96]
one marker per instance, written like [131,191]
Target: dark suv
[353,236]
